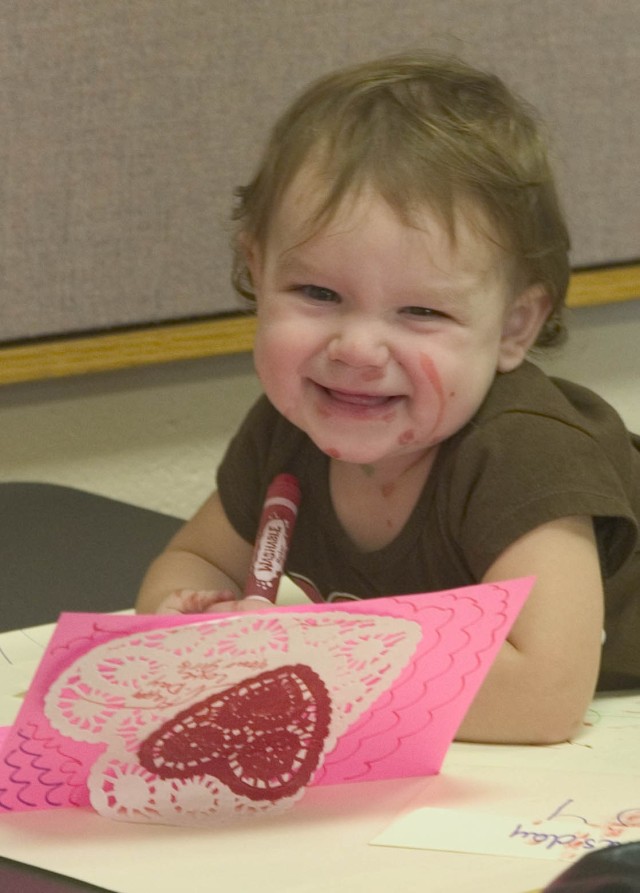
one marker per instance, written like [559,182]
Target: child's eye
[319,293]
[423,313]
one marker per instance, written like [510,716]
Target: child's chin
[352,456]
[356,451]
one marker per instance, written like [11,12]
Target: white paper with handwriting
[483,809]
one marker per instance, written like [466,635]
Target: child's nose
[359,346]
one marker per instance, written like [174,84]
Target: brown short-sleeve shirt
[537,449]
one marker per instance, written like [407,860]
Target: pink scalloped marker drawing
[202,720]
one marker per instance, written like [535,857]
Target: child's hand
[192,601]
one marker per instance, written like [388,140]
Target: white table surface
[324,843]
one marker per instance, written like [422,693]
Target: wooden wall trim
[56,358]
[607,285]
[120,350]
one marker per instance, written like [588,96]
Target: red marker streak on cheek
[331,451]
[431,372]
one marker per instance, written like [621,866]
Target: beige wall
[154,436]
[125,127]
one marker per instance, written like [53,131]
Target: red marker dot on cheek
[406,437]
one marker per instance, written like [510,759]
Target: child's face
[376,338]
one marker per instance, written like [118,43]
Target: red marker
[275,529]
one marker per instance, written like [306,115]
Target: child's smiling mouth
[356,402]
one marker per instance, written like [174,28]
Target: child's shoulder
[543,429]
[538,449]
[529,392]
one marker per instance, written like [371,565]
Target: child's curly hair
[422,130]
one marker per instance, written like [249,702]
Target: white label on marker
[271,551]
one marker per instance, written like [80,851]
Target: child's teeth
[359,399]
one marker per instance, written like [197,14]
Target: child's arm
[544,676]
[202,568]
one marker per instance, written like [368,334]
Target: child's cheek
[279,383]
[267,352]
[268,365]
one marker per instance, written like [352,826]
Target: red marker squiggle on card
[279,514]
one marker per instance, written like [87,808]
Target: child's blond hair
[421,130]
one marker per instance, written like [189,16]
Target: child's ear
[525,317]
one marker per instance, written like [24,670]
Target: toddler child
[404,246]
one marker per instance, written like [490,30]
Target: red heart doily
[262,738]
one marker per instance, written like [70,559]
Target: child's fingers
[191,601]
[251,603]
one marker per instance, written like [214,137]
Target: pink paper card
[208,718]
